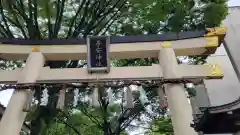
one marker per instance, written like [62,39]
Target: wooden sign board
[97,51]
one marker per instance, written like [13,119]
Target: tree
[161,126]
[50,19]
[81,123]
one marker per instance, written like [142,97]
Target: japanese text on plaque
[98,48]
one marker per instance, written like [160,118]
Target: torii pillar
[14,116]
[180,108]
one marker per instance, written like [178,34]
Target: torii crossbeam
[154,72]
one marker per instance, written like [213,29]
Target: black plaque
[98,60]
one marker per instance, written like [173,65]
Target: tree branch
[124,126]
[60,9]
[8,31]
[3,31]
[94,23]
[124,119]
[79,26]
[73,20]
[104,105]
[35,16]
[31,29]
[107,27]
[49,24]
[94,7]
[101,10]
[17,23]
[21,11]
[58,2]
[92,118]
[69,125]
[30,13]
[109,23]
[137,126]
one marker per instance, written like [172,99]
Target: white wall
[228,89]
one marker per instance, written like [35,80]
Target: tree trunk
[39,124]
[37,127]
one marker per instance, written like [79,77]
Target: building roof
[218,119]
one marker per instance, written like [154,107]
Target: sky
[234,3]
[5,95]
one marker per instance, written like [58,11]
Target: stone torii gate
[164,47]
